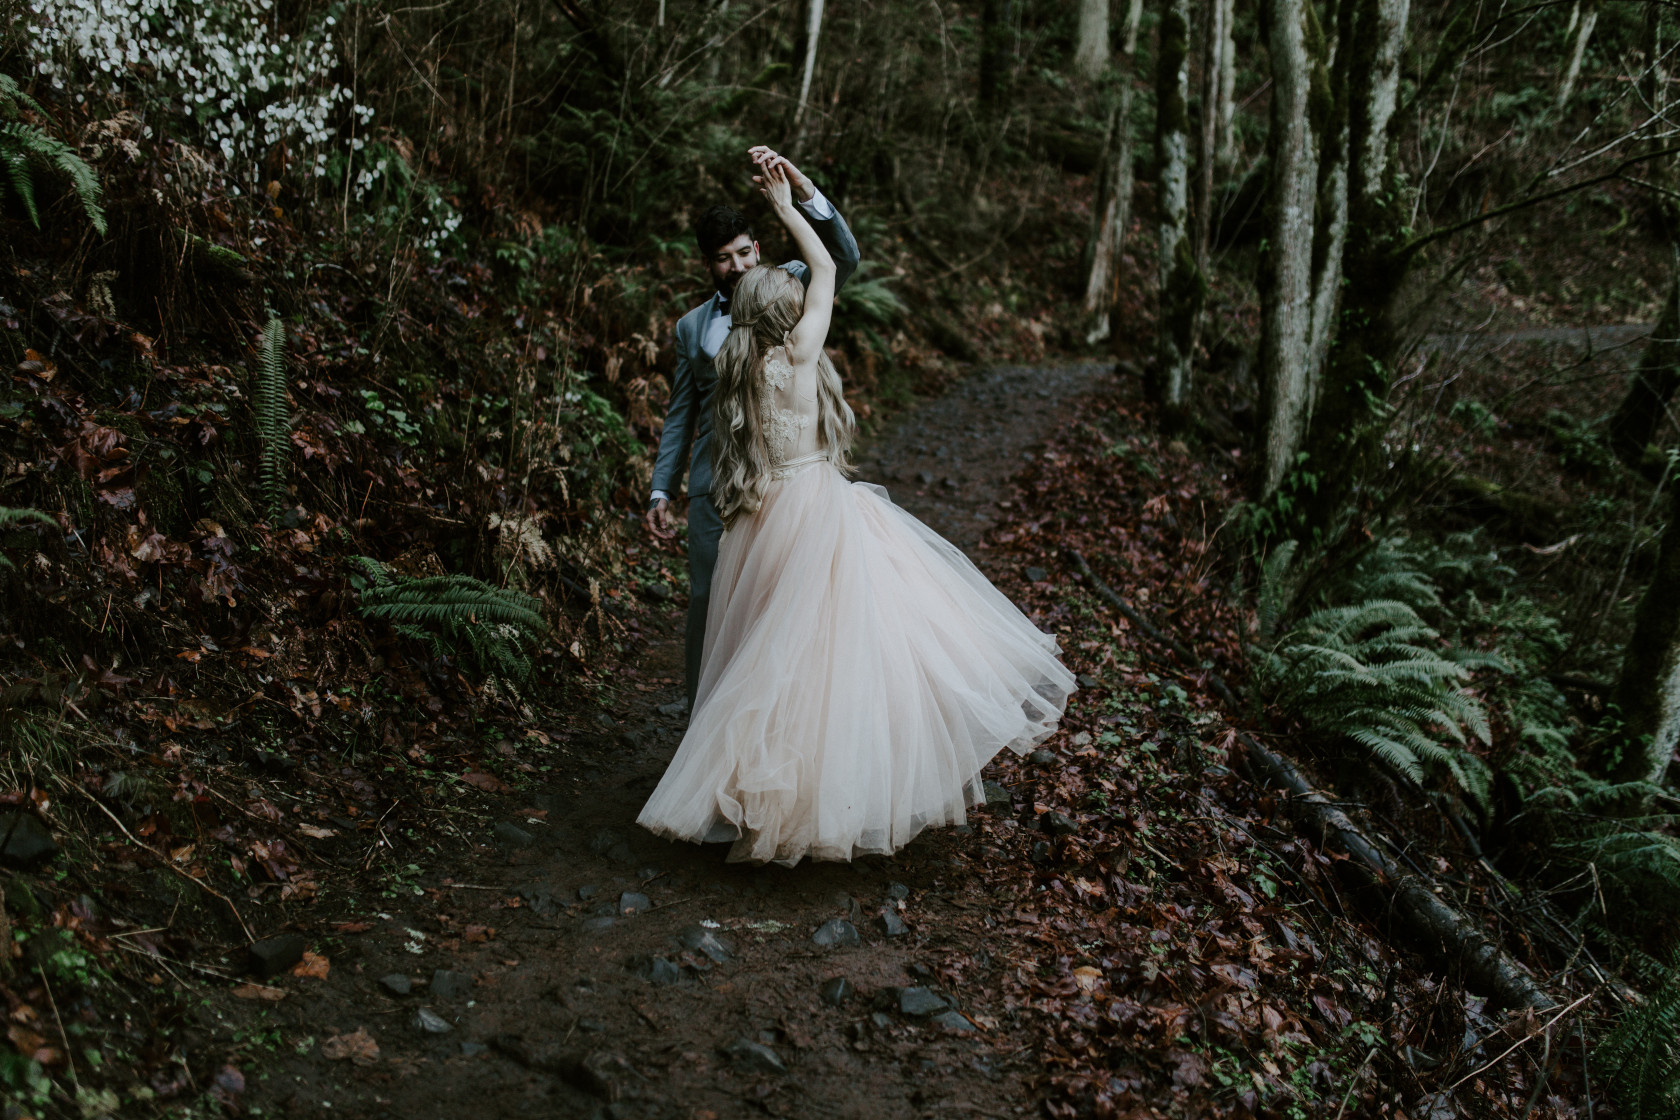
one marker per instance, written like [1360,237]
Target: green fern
[1640,1059]
[1595,832]
[24,147]
[14,101]
[273,413]
[867,299]
[1392,569]
[1275,593]
[1360,673]
[457,616]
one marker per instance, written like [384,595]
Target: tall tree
[1114,191]
[1582,23]
[1345,418]
[1180,280]
[1226,146]
[812,30]
[1214,14]
[1296,47]
[1091,50]
[1644,407]
[1647,693]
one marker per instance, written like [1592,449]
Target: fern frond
[1640,1058]
[1396,755]
[273,414]
[17,173]
[1272,599]
[1357,672]
[13,99]
[869,298]
[28,141]
[446,612]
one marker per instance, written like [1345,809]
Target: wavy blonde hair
[767,305]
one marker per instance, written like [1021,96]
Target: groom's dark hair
[718,226]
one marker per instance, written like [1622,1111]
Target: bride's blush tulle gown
[858,673]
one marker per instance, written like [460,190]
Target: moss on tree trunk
[1647,695]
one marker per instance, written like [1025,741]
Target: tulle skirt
[858,674]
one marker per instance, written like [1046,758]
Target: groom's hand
[659,520]
[803,189]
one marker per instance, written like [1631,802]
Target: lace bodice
[788,411]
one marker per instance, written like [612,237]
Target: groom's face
[729,262]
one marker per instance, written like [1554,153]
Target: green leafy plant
[1369,674]
[457,616]
[867,298]
[25,149]
[1640,1059]
[1581,442]
[273,413]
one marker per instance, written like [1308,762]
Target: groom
[727,245]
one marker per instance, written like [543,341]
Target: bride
[858,671]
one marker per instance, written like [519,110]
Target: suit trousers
[704,532]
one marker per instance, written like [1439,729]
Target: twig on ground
[69,1058]
[1353,1082]
[167,862]
[1523,1040]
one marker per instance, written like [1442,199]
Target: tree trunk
[1583,32]
[1180,279]
[1286,264]
[1644,408]
[1213,48]
[1647,694]
[1090,52]
[994,55]
[1227,145]
[1345,427]
[1114,196]
[812,30]
[1330,230]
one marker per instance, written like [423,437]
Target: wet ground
[569,964]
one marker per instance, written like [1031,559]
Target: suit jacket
[688,419]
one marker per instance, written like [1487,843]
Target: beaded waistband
[794,466]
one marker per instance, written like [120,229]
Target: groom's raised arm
[836,235]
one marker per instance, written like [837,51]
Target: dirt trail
[574,1007]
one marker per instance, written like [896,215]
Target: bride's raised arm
[805,343]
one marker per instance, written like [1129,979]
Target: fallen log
[1413,909]
[1429,924]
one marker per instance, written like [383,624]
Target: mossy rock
[21,902]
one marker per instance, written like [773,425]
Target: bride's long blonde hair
[767,305]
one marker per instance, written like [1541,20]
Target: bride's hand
[776,187]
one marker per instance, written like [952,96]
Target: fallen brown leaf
[259,991]
[312,965]
[489,783]
[358,1046]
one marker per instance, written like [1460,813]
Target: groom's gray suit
[688,422]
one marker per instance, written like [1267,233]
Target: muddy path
[565,963]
